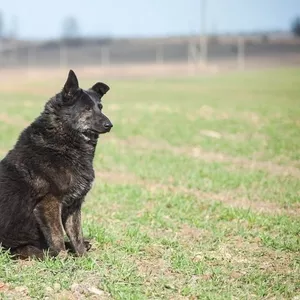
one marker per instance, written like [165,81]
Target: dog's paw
[62,255]
[87,245]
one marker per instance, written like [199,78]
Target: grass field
[197,194]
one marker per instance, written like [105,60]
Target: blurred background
[197,190]
[153,37]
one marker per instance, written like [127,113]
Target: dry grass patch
[138,142]
[230,198]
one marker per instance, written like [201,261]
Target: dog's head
[82,109]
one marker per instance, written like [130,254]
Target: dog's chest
[79,186]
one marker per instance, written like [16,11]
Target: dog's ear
[71,85]
[100,88]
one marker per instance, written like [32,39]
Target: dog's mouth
[94,131]
[94,134]
[102,129]
[98,132]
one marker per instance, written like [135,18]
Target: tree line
[70,27]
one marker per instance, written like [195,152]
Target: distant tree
[296,26]
[14,27]
[70,28]
[1,25]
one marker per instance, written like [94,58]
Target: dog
[45,177]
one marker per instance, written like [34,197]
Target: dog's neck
[90,138]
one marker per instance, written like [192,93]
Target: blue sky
[43,19]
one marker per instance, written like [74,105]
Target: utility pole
[203,39]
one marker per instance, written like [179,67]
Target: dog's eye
[88,108]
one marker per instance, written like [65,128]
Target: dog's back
[17,226]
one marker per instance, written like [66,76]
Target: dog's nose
[107,125]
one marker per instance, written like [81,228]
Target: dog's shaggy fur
[46,176]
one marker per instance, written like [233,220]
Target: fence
[234,52]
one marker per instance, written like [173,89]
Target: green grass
[196,197]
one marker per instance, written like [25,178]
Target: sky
[38,19]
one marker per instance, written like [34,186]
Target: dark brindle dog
[46,176]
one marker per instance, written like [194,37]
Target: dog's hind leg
[28,251]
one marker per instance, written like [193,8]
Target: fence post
[192,56]
[203,50]
[1,53]
[159,54]
[14,53]
[241,53]
[63,55]
[31,59]
[105,55]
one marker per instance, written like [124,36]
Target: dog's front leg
[72,225]
[48,215]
